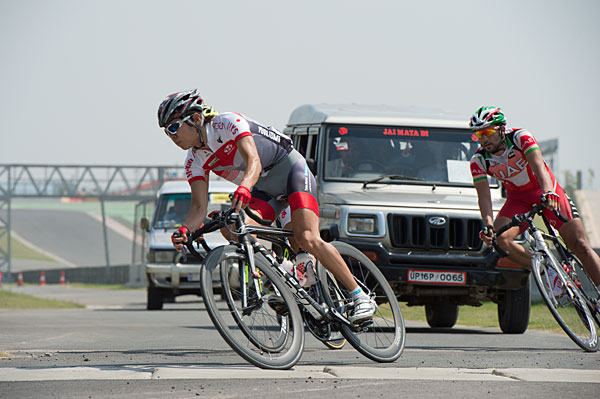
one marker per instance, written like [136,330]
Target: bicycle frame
[278,236]
[250,246]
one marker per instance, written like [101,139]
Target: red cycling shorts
[520,202]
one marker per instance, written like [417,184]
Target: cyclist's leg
[516,253]
[305,225]
[574,235]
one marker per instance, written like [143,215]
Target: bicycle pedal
[363,324]
[278,305]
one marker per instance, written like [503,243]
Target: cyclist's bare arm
[536,161]
[198,205]
[249,154]
[485,202]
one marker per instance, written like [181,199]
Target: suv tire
[513,310]
[441,315]
[154,298]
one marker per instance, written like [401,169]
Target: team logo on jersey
[228,148]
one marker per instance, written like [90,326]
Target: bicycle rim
[588,288]
[233,273]
[383,340]
[569,309]
[257,332]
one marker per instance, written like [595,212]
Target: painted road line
[146,372]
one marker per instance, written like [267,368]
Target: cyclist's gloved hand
[550,200]
[487,235]
[179,237]
[241,198]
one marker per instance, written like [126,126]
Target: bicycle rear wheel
[570,309]
[383,340]
[256,332]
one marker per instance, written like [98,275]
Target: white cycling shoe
[364,309]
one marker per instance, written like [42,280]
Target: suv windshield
[172,209]
[432,155]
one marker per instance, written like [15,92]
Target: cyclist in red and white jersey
[266,168]
[513,156]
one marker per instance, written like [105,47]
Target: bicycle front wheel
[383,340]
[247,321]
[569,308]
[587,286]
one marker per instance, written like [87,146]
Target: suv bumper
[481,271]
[174,275]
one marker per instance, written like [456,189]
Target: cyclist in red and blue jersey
[513,156]
[266,168]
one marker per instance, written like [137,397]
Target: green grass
[13,300]
[20,250]
[487,316]
[105,286]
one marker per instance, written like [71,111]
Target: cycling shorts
[289,181]
[521,202]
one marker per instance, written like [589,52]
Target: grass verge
[20,250]
[486,315]
[14,300]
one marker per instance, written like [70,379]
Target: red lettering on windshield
[406,132]
[342,131]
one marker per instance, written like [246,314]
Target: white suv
[396,184]
[167,275]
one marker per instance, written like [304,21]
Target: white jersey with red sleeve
[510,167]
[222,156]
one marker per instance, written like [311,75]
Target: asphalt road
[75,237]
[115,348]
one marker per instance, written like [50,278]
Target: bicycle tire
[231,280]
[260,318]
[587,286]
[570,310]
[383,341]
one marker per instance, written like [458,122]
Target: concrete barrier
[118,274]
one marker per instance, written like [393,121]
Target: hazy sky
[81,81]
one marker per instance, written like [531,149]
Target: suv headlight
[156,256]
[362,224]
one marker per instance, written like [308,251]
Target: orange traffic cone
[62,278]
[43,278]
[20,279]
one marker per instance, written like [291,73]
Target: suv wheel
[513,310]
[155,298]
[441,315]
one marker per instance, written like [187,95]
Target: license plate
[193,277]
[219,198]
[437,277]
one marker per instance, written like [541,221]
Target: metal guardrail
[103,182]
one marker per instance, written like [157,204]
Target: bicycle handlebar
[517,220]
[219,220]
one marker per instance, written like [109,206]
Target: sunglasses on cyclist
[485,132]
[172,128]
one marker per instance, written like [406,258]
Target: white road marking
[57,258]
[146,372]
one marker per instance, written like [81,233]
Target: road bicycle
[265,309]
[577,307]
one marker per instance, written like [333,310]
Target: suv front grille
[422,232]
